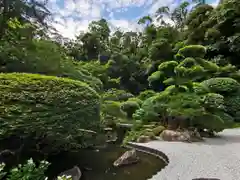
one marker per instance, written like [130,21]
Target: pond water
[97,165]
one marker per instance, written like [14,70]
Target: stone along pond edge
[151,151]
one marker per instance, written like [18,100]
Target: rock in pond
[74,172]
[129,157]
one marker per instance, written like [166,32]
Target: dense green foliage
[29,171]
[178,75]
[50,107]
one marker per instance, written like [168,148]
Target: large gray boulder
[129,157]
[170,135]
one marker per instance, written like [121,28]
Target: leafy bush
[232,104]
[28,171]
[146,94]
[192,51]
[152,108]
[55,108]
[221,85]
[213,101]
[156,76]
[111,113]
[132,136]
[74,71]
[173,89]
[139,101]
[130,107]
[167,67]
[112,108]
[209,121]
[199,88]
[116,95]
[160,49]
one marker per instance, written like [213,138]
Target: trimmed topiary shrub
[130,107]
[139,101]
[199,88]
[173,89]
[232,104]
[221,85]
[156,77]
[193,51]
[59,110]
[116,95]
[111,113]
[213,101]
[146,94]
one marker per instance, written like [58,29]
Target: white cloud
[125,25]
[77,14]
[214,3]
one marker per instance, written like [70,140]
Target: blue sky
[73,16]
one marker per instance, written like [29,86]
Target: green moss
[151,135]
[57,108]
[158,130]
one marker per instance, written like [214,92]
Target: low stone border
[148,150]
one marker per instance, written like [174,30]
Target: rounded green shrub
[232,104]
[139,101]
[59,109]
[158,130]
[210,122]
[173,89]
[116,95]
[199,88]
[168,67]
[221,85]
[112,108]
[152,108]
[146,94]
[193,51]
[130,107]
[227,119]
[156,76]
[188,62]
[213,101]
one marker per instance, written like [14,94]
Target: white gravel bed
[215,158]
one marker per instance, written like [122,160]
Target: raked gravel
[215,158]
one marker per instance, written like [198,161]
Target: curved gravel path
[215,158]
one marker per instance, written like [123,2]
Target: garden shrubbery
[52,108]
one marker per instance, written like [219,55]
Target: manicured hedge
[221,85]
[56,108]
[193,51]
